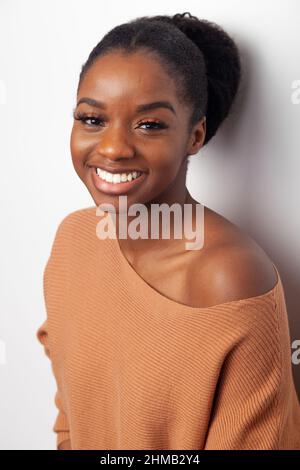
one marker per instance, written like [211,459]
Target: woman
[154,346]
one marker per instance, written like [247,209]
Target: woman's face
[121,136]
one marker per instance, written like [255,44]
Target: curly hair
[199,55]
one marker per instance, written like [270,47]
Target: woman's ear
[197,136]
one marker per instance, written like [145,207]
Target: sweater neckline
[149,292]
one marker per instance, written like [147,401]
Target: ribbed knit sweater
[137,370]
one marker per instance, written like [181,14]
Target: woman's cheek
[167,165]
[74,144]
[79,146]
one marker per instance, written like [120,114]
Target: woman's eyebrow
[139,109]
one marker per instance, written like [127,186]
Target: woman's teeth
[117,177]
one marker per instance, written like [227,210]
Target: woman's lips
[115,188]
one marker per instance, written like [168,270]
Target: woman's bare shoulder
[233,267]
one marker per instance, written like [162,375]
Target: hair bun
[181,15]
[223,68]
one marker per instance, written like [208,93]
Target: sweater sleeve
[255,404]
[61,424]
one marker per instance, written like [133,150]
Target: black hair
[198,54]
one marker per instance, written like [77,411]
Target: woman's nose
[115,145]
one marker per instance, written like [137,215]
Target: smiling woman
[154,346]
[147,121]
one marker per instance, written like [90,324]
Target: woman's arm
[61,425]
[65,445]
[255,403]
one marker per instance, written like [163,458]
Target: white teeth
[109,177]
[116,178]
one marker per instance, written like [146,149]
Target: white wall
[249,171]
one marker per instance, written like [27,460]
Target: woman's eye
[84,119]
[92,119]
[153,123]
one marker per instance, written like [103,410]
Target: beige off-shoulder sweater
[137,370]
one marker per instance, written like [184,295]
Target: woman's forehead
[115,75]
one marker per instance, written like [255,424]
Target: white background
[249,172]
